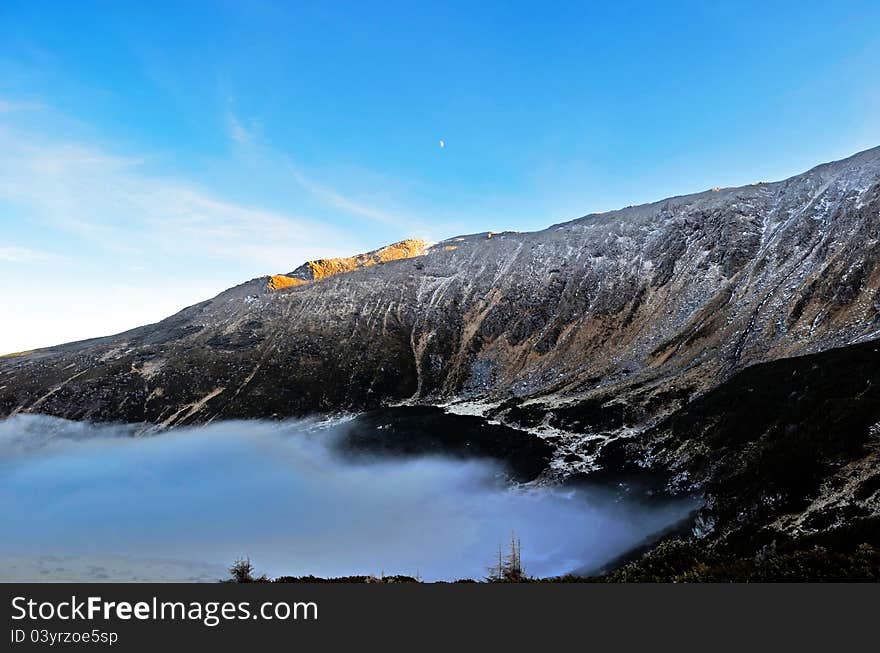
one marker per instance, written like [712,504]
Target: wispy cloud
[110,200]
[239,132]
[23,255]
[137,246]
[332,198]
[247,133]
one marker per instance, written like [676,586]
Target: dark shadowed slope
[787,454]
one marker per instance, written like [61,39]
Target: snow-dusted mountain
[642,307]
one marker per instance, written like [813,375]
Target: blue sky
[152,154]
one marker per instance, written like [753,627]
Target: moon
[442,144]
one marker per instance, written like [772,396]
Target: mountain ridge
[635,310]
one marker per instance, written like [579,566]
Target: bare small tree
[242,571]
[509,568]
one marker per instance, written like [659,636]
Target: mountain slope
[787,457]
[601,325]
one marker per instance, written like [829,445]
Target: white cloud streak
[247,134]
[332,198]
[110,201]
[128,246]
[23,255]
[137,247]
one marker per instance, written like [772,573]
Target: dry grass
[18,353]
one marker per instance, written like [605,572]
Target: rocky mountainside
[787,457]
[588,328]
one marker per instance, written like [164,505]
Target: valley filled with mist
[100,503]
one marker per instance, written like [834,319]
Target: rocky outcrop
[327,267]
[279,281]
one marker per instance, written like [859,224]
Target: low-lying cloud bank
[88,502]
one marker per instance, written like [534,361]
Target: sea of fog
[88,503]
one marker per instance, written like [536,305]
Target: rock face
[279,281]
[327,267]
